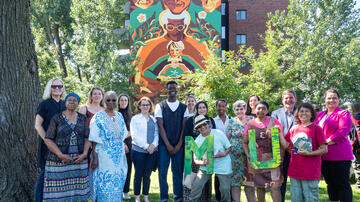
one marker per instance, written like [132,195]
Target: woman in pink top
[336,124]
[262,179]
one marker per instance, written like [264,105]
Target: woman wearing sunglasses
[52,104]
[107,133]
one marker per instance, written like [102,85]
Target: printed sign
[191,147]
[276,157]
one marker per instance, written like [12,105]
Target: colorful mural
[171,38]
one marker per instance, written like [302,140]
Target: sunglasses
[202,125]
[110,100]
[145,105]
[57,86]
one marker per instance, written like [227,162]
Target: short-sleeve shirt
[47,109]
[305,167]
[221,143]
[261,125]
[173,106]
[220,125]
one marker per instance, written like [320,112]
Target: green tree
[318,41]
[311,47]
[52,22]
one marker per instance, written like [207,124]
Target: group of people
[87,155]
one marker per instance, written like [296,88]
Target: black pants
[127,141]
[285,174]
[336,174]
[217,189]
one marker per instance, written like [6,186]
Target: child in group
[307,144]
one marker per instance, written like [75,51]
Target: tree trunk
[19,96]
[58,46]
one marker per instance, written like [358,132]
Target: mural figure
[171,38]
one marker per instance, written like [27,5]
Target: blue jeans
[144,164]
[304,190]
[40,186]
[177,164]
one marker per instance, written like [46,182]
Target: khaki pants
[202,178]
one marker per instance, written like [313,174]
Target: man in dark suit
[285,116]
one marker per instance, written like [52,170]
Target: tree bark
[19,96]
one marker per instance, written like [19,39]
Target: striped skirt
[66,182]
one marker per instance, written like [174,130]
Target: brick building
[244,20]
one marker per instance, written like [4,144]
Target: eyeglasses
[110,100]
[145,105]
[173,27]
[57,86]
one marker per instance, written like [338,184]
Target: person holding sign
[264,156]
[200,108]
[221,164]
[235,134]
[307,143]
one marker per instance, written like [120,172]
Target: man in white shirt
[171,117]
[285,116]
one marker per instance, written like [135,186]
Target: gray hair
[169,15]
[239,103]
[47,90]
[110,92]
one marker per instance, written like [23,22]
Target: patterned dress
[67,182]
[237,152]
[109,177]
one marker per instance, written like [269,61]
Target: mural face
[171,38]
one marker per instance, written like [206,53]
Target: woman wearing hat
[222,161]
[66,169]
[201,108]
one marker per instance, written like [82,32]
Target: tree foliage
[92,35]
[311,47]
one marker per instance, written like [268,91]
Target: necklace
[111,115]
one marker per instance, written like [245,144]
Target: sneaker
[137,198]
[146,198]
[126,196]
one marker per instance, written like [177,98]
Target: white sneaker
[126,196]
[146,198]
[137,198]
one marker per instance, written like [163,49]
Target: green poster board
[207,146]
[276,158]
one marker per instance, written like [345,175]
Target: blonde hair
[47,90]
[89,101]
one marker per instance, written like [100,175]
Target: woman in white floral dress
[107,132]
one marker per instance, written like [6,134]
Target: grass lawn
[155,190]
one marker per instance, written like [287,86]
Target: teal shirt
[222,165]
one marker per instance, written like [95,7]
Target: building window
[241,15]
[223,32]
[223,6]
[127,23]
[241,39]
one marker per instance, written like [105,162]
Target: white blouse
[138,130]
